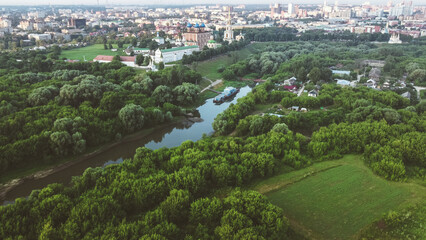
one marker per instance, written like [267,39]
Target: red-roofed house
[292,87]
[127,60]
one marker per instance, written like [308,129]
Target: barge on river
[228,93]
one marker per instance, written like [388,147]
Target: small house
[290,88]
[312,93]
[406,95]
[290,81]
[343,82]
[144,51]
[386,84]
[371,83]
[374,73]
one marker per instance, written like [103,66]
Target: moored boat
[227,93]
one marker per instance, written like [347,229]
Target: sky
[174,2]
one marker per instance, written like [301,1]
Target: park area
[336,199]
[90,52]
[209,68]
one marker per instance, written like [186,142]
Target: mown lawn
[91,52]
[336,199]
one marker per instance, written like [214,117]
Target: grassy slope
[209,68]
[90,52]
[336,199]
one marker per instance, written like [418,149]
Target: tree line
[164,194]
[49,115]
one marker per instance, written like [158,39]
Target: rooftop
[179,48]
[110,58]
[341,72]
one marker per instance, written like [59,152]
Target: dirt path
[211,85]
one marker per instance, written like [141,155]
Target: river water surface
[169,136]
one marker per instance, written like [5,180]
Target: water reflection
[169,136]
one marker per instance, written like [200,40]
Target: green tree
[186,93]
[301,75]
[140,59]
[162,94]
[176,206]
[161,66]
[132,117]
[315,75]
[280,128]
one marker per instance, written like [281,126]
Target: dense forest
[284,60]
[51,109]
[162,194]
[198,190]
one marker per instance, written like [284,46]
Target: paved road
[418,90]
[211,85]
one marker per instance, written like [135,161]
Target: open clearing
[91,52]
[209,68]
[336,199]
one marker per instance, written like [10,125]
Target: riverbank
[9,184]
[166,135]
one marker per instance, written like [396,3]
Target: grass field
[209,68]
[336,199]
[90,52]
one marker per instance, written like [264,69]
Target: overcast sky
[171,2]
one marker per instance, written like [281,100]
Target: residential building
[290,9]
[5,23]
[40,37]
[275,10]
[77,23]
[26,25]
[213,44]
[312,93]
[406,95]
[374,73]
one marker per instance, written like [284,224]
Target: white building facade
[174,54]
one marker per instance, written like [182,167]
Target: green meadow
[336,199]
[91,52]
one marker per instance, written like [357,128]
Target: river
[169,136]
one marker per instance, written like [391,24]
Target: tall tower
[229,33]
[290,8]
[336,6]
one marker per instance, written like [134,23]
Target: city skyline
[189,2]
